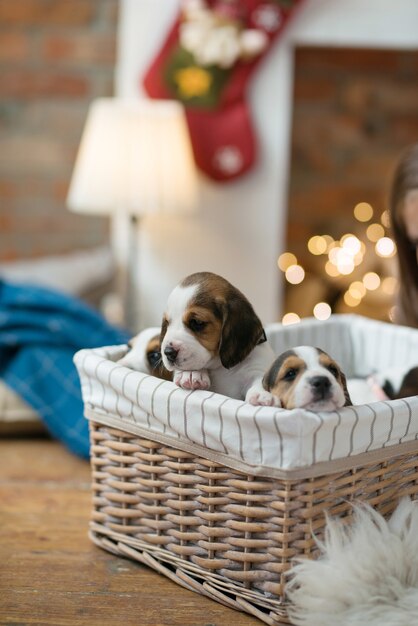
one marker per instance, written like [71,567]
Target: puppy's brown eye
[333,370]
[290,374]
[196,325]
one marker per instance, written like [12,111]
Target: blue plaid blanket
[40,330]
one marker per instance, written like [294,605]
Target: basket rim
[322,468]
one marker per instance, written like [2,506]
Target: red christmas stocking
[206,62]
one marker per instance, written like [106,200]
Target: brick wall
[55,57]
[354,111]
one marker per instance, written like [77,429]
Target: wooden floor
[50,572]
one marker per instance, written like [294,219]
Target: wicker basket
[211,521]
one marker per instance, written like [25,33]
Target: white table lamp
[135,157]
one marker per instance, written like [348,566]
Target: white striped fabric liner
[360,345]
[263,440]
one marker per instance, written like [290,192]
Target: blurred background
[56,57]
[354,111]
[332,103]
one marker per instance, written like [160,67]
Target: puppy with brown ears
[308,378]
[211,338]
[144,354]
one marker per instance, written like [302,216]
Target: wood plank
[50,572]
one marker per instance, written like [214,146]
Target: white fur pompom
[367,573]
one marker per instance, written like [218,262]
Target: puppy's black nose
[321,385]
[171,354]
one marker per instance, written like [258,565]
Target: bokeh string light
[322,311]
[371,281]
[385,219]
[286,260]
[317,245]
[290,318]
[363,212]
[369,248]
[374,232]
[385,247]
[295,274]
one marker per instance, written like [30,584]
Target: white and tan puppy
[144,354]
[307,377]
[211,338]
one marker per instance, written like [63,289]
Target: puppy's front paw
[261,397]
[192,379]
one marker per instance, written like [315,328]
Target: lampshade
[134,156]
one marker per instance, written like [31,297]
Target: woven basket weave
[217,531]
[221,496]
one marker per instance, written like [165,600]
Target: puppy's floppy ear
[271,375]
[409,384]
[266,380]
[241,329]
[164,326]
[346,394]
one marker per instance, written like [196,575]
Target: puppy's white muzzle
[183,352]
[319,391]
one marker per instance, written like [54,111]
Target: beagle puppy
[308,378]
[145,354]
[211,338]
